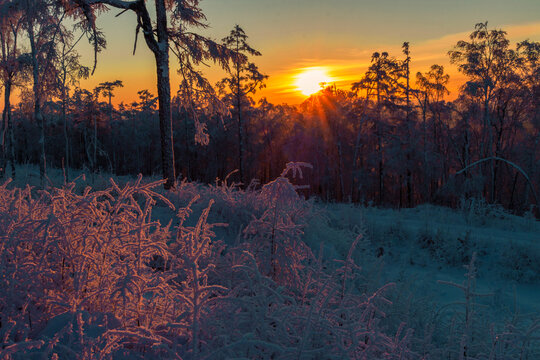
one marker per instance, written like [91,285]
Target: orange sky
[339,35]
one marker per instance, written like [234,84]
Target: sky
[336,35]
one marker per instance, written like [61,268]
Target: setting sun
[309,80]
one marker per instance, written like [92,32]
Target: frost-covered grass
[128,270]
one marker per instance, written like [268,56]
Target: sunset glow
[311,80]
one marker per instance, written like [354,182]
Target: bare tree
[430,93]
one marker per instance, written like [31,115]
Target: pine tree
[245,79]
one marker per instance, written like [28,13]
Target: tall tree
[407,74]
[431,89]
[486,60]
[42,20]
[11,65]
[173,17]
[245,79]
[382,81]
[70,71]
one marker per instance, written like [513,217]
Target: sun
[309,80]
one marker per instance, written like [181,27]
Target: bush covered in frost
[92,274]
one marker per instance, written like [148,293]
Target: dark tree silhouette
[245,79]
[486,60]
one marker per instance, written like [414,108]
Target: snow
[402,284]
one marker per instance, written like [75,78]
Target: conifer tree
[107,88]
[245,79]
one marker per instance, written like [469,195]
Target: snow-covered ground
[423,252]
[431,243]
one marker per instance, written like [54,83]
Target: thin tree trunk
[239,117]
[5,129]
[38,116]
[355,156]
[407,120]
[187,175]
[490,148]
[11,137]
[427,177]
[94,155]
[66,138]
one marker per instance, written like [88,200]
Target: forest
[229,227]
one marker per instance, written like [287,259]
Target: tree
[87,117]
[11,65]
[382,81]
[107,88]
[42,22]
[69,74]
[407,74]
[486,60]
[180,14]
[430,95]
[244,80]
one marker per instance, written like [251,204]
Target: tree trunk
[66,138]
[38,116]
[239,117]
[164,96]
[94,155]
[11,137]
[5,129]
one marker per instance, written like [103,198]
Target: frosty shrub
[478,211]
[275,236]
[91,275]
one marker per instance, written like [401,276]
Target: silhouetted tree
[382,81]
[486,60]
[430,95]
[245,80]
[70,71]
[107,89]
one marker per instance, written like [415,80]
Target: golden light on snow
[310,80]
